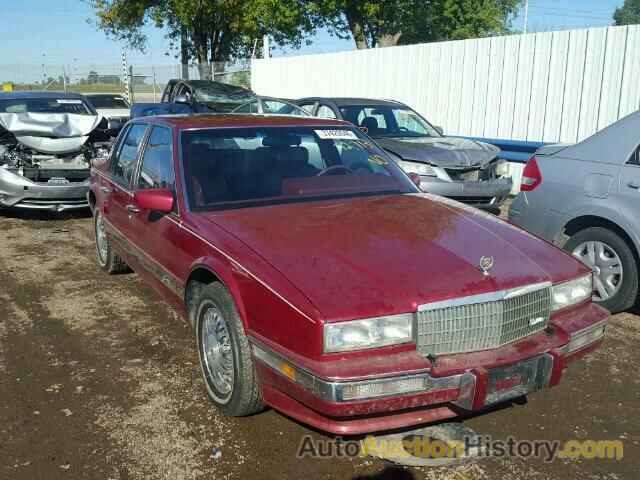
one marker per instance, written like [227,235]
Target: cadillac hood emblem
[485,265]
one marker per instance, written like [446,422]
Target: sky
[61,32]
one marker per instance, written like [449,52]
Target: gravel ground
[99,380]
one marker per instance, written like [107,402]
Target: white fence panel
[555,86]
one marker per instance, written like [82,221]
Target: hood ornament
[485,265]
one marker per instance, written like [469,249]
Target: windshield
[240,167]
[108,101]
[388,121]
[45,105]
[215,92]
[272,106]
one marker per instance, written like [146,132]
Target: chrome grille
[482,322]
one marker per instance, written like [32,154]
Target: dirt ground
[99,380]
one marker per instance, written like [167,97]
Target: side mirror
[415,178]
[156,200]
[440,130]
[181,99]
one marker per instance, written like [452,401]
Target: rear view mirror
[156,200]
[440,130]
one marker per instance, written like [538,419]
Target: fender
[224,274]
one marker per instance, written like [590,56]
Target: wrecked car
[465,170]
[47,143]
[195,96]
[320,281]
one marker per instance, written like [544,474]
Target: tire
[108,260]
[626,294]
[234,387]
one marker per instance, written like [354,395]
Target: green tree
[628,14]
[373,23]
[207,30]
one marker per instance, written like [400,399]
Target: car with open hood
[47,143]
[320,281]
[462,169]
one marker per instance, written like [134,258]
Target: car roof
[345,101]
[44,94]
[205,83]
[231,120]
[89,95]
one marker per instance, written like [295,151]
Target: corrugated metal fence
[555,86]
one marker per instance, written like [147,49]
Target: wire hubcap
[101,240]
[218,354]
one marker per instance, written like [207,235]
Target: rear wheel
[107,258]
[615,273]
[226,359]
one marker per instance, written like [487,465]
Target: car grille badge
[485,265]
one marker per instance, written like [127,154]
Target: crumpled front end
[461,169]
[45,159]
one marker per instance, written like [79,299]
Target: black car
[465,170]
[206,96]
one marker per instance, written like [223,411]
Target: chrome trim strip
[334,391]
[163,275]
[243,268]
[484,297]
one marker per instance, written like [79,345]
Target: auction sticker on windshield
[336,135]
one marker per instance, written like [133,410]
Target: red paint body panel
[293,267]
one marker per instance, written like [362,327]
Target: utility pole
[526,15]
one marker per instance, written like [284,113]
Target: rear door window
[124,163]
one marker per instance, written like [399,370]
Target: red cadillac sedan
[320,281]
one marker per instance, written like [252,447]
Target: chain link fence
[143,83]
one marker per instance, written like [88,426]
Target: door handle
[133,209]
[633,185]
[106,190]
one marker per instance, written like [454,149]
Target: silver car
[586,198]
[47,143]
[271,105]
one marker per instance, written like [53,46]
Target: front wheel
[615,273]
[225,354]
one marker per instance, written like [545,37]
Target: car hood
[50,133]
[373,256]
[446,152]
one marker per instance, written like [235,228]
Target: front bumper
[451,386]
[480,193]
[20,192]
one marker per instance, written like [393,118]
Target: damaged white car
[47,143]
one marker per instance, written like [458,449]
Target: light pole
[526,15]
[44,71]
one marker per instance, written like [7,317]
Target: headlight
[572,292]
[369,333]
[419,168]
